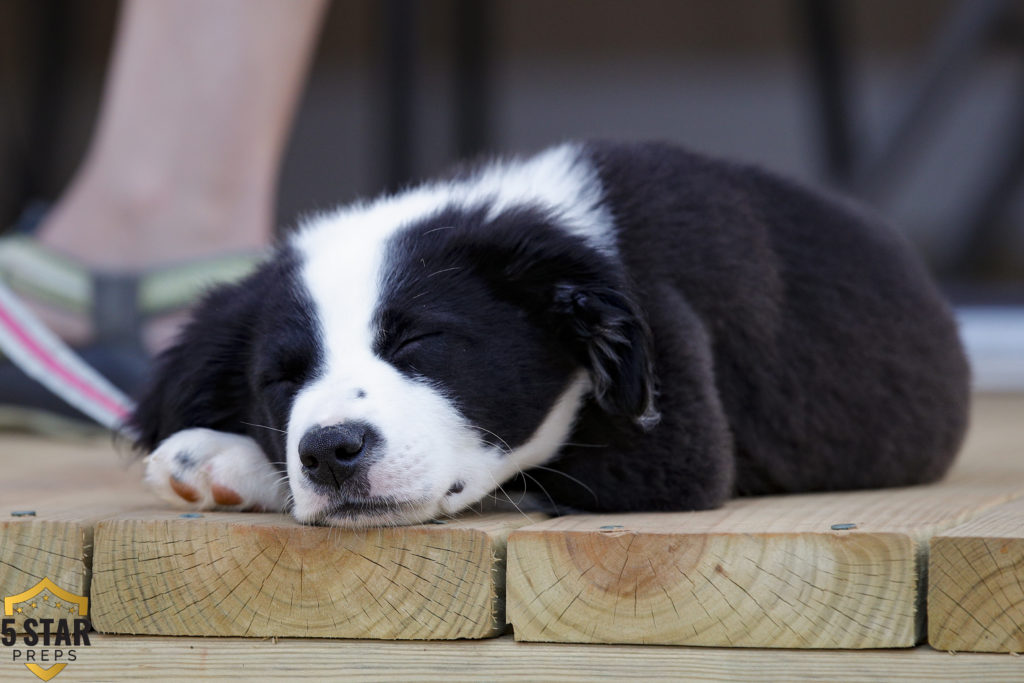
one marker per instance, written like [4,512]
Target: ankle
[142,223]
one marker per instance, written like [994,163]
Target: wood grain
[976,583]
[768,571]
[69,486]
[760,572]
[265,575]
[132,658]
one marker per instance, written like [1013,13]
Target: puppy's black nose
[330,455]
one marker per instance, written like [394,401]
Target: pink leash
[49,361]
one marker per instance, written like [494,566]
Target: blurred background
[915,106]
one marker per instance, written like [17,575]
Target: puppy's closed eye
[414,342]
[286,372]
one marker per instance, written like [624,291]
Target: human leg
[196,113]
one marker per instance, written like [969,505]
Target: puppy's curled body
[799,343]
[647,328]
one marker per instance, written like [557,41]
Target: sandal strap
[42,274]
[46,359]
[180,285]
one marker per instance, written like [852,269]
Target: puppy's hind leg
[203,469]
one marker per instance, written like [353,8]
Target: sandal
[118,305]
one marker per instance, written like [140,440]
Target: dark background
[819,89]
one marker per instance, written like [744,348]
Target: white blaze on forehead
[560,180]
[343,252]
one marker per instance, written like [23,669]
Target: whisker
[567,476]
[494,496]
[273,429]
[508,497]
[551,500]
[508,449]
[447,227]
[522,496]
[444,270]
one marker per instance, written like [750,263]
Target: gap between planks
[264,575]
[73,488]
[69,485]
[237,574]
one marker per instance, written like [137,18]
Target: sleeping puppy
[633,326]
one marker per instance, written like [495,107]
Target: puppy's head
[401,373]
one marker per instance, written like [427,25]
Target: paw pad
[204,469]
[222,495]
[184,490]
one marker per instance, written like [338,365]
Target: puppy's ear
[581,296]
[202,380]
[609,335]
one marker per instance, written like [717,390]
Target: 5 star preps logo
[54,622]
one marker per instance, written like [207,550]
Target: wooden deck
[124,658]
[823,573]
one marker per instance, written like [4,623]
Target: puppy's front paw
[203,469]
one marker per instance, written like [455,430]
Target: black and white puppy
[640,327]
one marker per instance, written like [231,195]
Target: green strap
[37,272]
[30,269]
[178,286]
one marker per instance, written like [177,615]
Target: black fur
[752,337]
[237,364]
[799,344]
[503,311]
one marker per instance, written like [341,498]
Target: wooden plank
[976,583]
[132,658]
[38,468]
[761,572]
[69,486]
[264,575]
